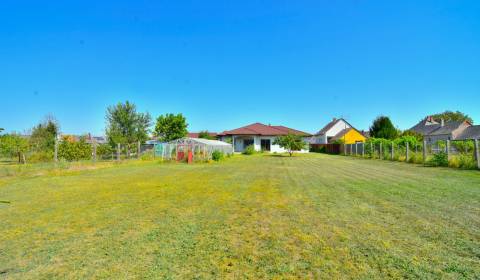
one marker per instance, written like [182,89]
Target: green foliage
[338,141]
[438,159]
[417,135]
[170,127]
[44,135]
[74,151]
[217,155]
[452,116]
[411,140]
[382,127]
[249,150]
[125,125]
[40,156]
[290,142]
[105,151]
[205,135]
[13,145]
[318,149]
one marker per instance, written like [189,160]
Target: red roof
[261,129]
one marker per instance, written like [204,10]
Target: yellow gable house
[349,136]
[338,130]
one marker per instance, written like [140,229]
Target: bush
[72,151]
[105,151]
[217,155]
[148,155]
[439,159]
[249,150]
[36,157]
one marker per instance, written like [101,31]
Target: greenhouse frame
[200,149]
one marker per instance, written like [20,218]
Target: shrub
[466,161]
[40,156]
[439,159]
[105,151]
[72,151]
[148,155]
[217,155]
[249,150]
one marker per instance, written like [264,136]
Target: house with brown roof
[261,136]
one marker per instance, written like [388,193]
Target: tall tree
[14,145]
[452,116]
[290,142]
[125,125]
[44,134]
[171,127]
[382,127]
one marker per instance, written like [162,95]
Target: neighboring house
[434,131]
[338,130]
[259,135]
[196,134]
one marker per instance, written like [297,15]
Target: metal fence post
[424,151]
[363,149]
[392,152]
[448,150]
[94,150]
[356,149]
[138,149]
[118,151]
[477,153]
[407,153]
[380,151]
[372,152]
[55,152]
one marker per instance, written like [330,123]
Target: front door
[265,144]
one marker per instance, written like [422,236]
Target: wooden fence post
[477,154]
[356,149]
[424,151]
[407,153]
[392,152]
[118,151]
[372,152]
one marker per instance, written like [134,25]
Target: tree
[417,135]
[1,130]
[452,116]
[290,142]
[14,145]
[171,127]
[205,135]
[44,134]
[382,127]
[125,125]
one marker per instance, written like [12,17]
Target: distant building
[338,130]
[197,134]
[261,136]
[434,131]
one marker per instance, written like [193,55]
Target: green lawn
[311,216]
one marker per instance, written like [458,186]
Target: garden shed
[191,149]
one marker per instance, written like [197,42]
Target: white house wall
[339,126]
[257,144]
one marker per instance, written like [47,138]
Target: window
[247,142]
[265,144]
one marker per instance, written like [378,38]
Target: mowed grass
[311,216]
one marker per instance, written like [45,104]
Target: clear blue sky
[225,64]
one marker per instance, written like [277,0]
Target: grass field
[311,216]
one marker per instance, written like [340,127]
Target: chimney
[442,122]
[334,119]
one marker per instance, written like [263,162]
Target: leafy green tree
[171,127]
[1,130]
[452,116]
[205,135]
[14,145]
[74,150]
[125,125]
[382,127]
[44,134]
[418,136]
[290,142]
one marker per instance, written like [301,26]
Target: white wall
[339,126]
[258,144]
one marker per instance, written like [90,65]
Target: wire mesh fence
[458,154]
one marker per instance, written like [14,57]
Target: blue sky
[225,64]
